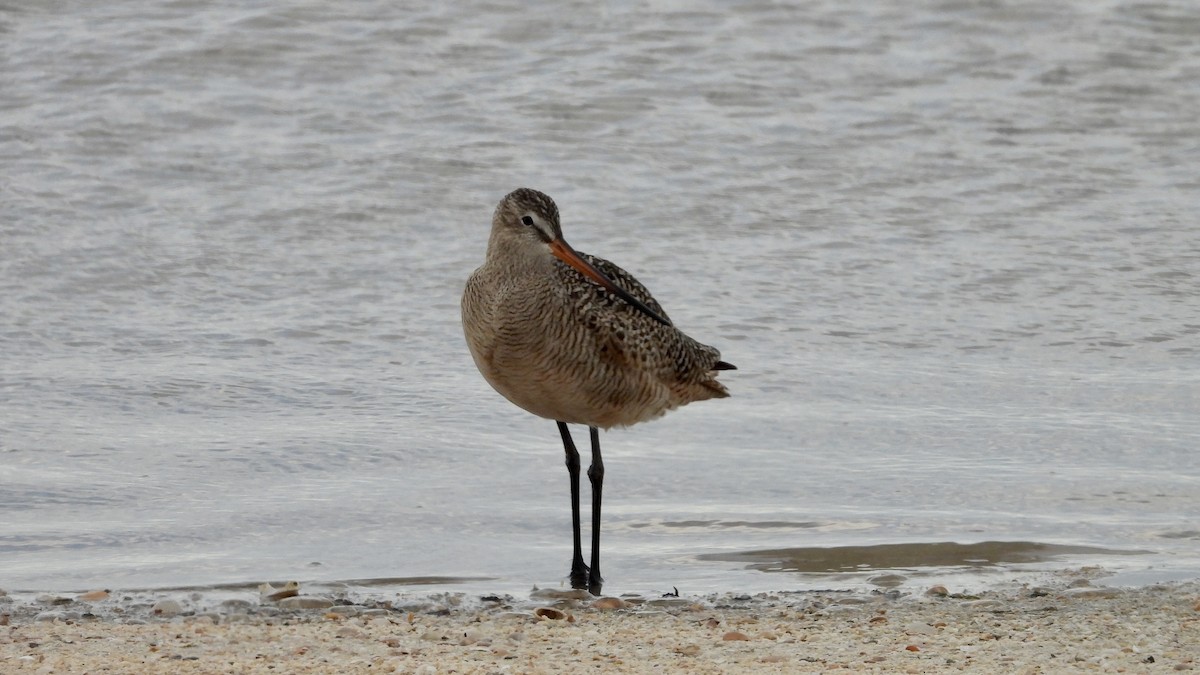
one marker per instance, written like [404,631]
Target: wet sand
[1067,625]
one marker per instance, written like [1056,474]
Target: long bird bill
[563,251]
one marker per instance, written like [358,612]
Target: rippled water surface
[952,247]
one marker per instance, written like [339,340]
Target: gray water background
[952,247]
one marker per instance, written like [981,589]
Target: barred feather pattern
[562,347]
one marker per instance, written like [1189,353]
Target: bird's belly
[596,396]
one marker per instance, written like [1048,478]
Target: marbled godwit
[576,339]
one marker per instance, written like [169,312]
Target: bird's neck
[518,257]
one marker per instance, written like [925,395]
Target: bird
[574,338]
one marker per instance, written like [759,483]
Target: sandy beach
[1071,624]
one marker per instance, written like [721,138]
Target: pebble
[670,602]
[1092,593]
[93,596]
[555,594]
[852,600]
[305,602]
[938,591]
[887,580]
[470,637]
[735,636]
[986,603]
[919,628]
[609,604]
[166,608]
[549,613]
[47,599]
[351,632]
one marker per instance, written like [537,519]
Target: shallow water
[951,247]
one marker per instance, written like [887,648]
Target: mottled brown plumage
[561,346]
[576,339]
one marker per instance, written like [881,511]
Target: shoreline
[1067,624]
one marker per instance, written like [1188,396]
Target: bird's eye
[527,220]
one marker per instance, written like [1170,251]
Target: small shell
[608,604]
[270,593]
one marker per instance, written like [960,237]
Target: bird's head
[527,221]
[529,215]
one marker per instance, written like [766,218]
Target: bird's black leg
[596,476]
[579,570]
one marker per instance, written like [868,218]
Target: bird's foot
[580,576]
